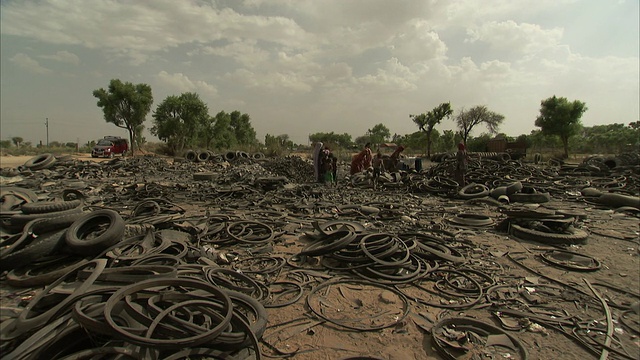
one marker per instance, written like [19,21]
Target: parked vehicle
[110,146]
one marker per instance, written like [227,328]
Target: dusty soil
[613,241]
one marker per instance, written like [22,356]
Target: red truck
[110,146]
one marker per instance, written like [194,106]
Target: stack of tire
[47,230]
[208,155]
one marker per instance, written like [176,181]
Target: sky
[299,67]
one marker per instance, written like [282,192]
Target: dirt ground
[614,241]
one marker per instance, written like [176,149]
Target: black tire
[536,198]
[191,155]
[204,156]
[618,200]
[230,155]
[49,206]
[43,274]
[12,197]
[44,245]
[576,237]
[537,158]
[42,161]
[514,187]
[473,191]
[18,221]
[77,234]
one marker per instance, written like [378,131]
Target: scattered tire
[473,191]
[42,246]
[576,236]
[191,155]
[619,200]
[49,207]
[537,158]
[535,198]
[95,232]
[40,162]
[18,221]
[230,155]
[204,156]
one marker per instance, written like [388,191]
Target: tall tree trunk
[429,144]
[565,144]
[131,140]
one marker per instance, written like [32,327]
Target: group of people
[363,161]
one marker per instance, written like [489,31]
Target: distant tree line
[183,121]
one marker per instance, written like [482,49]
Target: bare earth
[614,241]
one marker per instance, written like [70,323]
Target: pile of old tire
[547,227]
[38,231]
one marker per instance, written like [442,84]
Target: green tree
[479,143]
[448,140]
[332,139]
[5,144]
[225,137]
[179,119]
[426,122]
[244,132]
[125,105]
[468,119]
[558,116]
[17,140]
[379,134]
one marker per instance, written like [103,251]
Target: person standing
[327,166]
[377,169]
[334,168]
[462,158]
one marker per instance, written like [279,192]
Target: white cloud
[63,56]
[131,28]
[181,83]
[516,38]
[29,64]
[244,52]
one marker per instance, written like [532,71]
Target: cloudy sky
[305,66]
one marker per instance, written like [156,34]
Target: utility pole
[47,124]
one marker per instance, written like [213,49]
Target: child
[377,168]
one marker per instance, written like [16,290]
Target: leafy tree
[332,139]
[468,119]
[379,134]
[27,144]
[448,140]
[179,119]
[478,144]
[244,132]
[5,144]
[225,137]
[125,105]
[540,140]
[17,140]
[55,144]
[610,138]
[426,122]
[70,145]
[207,132]
[276,144]
[558,116]
[361,141]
